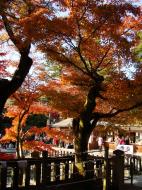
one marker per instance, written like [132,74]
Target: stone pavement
[131,187]
[137,183]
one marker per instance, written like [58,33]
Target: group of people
[55,141]
[122,140]
[119,140]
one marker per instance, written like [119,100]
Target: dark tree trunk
[18,140]
[82,130]
[84,125]
[22,151]
[17,148]
[7,87]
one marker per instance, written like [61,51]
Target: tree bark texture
[83,127]
[8,87]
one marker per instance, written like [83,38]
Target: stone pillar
[107,171]
[118,170]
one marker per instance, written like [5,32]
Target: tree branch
[24,65]
[9,31]
[102,59]
[68,60]
[115,112]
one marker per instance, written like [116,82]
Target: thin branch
[115,112]
[97,28]
[23,113]
[106,65]
[102,59]
[68,60]
[83,60]
[9,31]
[69,42]
[22,47]
[78,50]
[90,63]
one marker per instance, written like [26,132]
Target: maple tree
[24,102]
[9,22]
[93,42]
[12,13]
[21,104]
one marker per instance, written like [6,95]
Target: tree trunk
[17,148]
[21,148]
[82,133]
[4,86]
[84,125]
[18,139]
[7,88]
[81,146]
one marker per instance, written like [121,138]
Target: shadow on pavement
[131,187]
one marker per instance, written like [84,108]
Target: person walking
[100,143]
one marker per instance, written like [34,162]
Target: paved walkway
[137,183]
[130,187]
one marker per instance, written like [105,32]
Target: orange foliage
[37,146]
[93,37]
[25,101]
[51,133]
[85,37]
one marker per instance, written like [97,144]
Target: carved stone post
[118,170]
